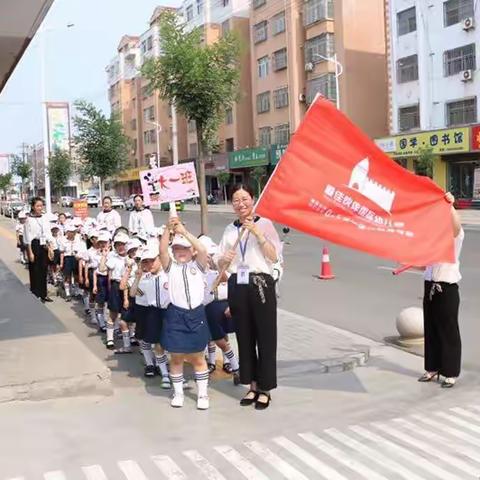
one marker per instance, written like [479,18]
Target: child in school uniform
[185,331]
[68,262]
[100,278]
[19,228]
[151,290]
[54,263]
[87,275]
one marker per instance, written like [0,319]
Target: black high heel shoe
[263,405]
[249,399]
[428,377]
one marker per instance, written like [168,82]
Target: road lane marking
[340,457]
[373,455]
[247,469]
[466,413]
[56,475]
[458,421]
[275,461]
[131,470]
[168,467]
[208,470]
[94,472]
[411,457]
[323,469]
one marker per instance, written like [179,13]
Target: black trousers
[38,270]
[254,309]
[443,346]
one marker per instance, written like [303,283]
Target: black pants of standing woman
[38,270]
[254,310]
[443,346]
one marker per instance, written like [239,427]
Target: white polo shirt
[155,290]
[93,258]
[222,290]
[111,220]
[186,284]
[71,248]
[116,264]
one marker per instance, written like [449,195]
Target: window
[147,45]
[280,59]
[225,27]
[189,13]
[229,145]
[278,23]
[149,113]
[282,134]
[260,32]
[262,64]
[407,69]
[454,11]
[406,21]
[459,59]
[134,146]
[409,118]
[193,150]
[462,112]
[264,136]
[229,116]
[199,6]
[263,102]
[133,124]
[145,92]
[225,2]
[280,97]
[258,3]
[324,85]
[149,136]
[319,47]
[317,10]
[191,126]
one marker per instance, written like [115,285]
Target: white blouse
[111,220]
[37,228]
[141,222]
[254,257]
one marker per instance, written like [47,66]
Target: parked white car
[92,201]
[117,202]
[66,201]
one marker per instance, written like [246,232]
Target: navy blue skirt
[185,331]
[218,324]
[115,297]
[102,289]
[149,324]
[70,266]
[129,314]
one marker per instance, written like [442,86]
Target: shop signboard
[277,152]
[249,157]
[476,137]
[80,208]
[476,184]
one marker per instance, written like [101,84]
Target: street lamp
[338,72]
[158,129]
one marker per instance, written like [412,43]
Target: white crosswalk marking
[374,455]
[275,461]
[340,456]
[208,470]
[327,472]
[56,475]
[16,478]
[131,470]
[465,451]
[466,413]
[411,457]
[247,469]
[425,447]
[459,421]
[168,467]
[94,472]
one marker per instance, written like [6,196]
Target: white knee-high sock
[86,302]
[126,339]
[162,364]
[177,381]
[225,358]
[110,331]
[202,383]
[146,349]
[212,353]
[100,317]
[131,328]
[232,359]
[67,289]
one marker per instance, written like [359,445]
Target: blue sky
[76,59]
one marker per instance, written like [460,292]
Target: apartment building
[434,88]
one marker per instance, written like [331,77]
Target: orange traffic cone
[326,273]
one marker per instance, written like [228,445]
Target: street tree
[60,168]
[258,174]
[22,169]
[5,182]
[223,179]
[102,146]
[424,162]
[200,80]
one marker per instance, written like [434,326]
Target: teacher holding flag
[248,249]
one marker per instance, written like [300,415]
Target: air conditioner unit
[468,23]
[169,148]
[309,67]
[467,75]
[302,98]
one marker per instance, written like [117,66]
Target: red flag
[333,182]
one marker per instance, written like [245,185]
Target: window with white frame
[324,85]
[407,69]
[199,6]
[258,3]
[282,134]
[229,116]
[189,13]
[262,67]
[263,102]
[278,23]
[459,59]
[280,59]
[191,126]
[455,11]
[406,21]
[149,113]
[149,137]
[317,10]
[260,32]
[264,136]
[409,118]
[280,97]
[225,2]
[317,49]
[461,112]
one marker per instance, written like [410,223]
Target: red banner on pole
[333,182]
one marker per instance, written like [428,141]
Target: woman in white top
[443,347]
[108,217]
[36,237]
[251,295]
[141,218]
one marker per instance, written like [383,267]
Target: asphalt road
[364,297]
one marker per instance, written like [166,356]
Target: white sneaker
[166,383]
[177,401]
[203,403]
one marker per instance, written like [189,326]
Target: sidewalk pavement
[470,217]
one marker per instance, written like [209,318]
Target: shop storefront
[242,162]
[276,153]
[127,183]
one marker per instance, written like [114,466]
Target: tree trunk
[100,190]
[202,181]
[225,193]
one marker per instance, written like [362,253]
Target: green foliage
[101,143]
[5,182]
[223,178]
[60,168]
[258,174]
[424,162]
[21,169]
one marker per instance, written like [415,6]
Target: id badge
[43,240]
[243,274]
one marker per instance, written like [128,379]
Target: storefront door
[461,176]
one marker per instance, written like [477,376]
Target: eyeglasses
[240,201]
